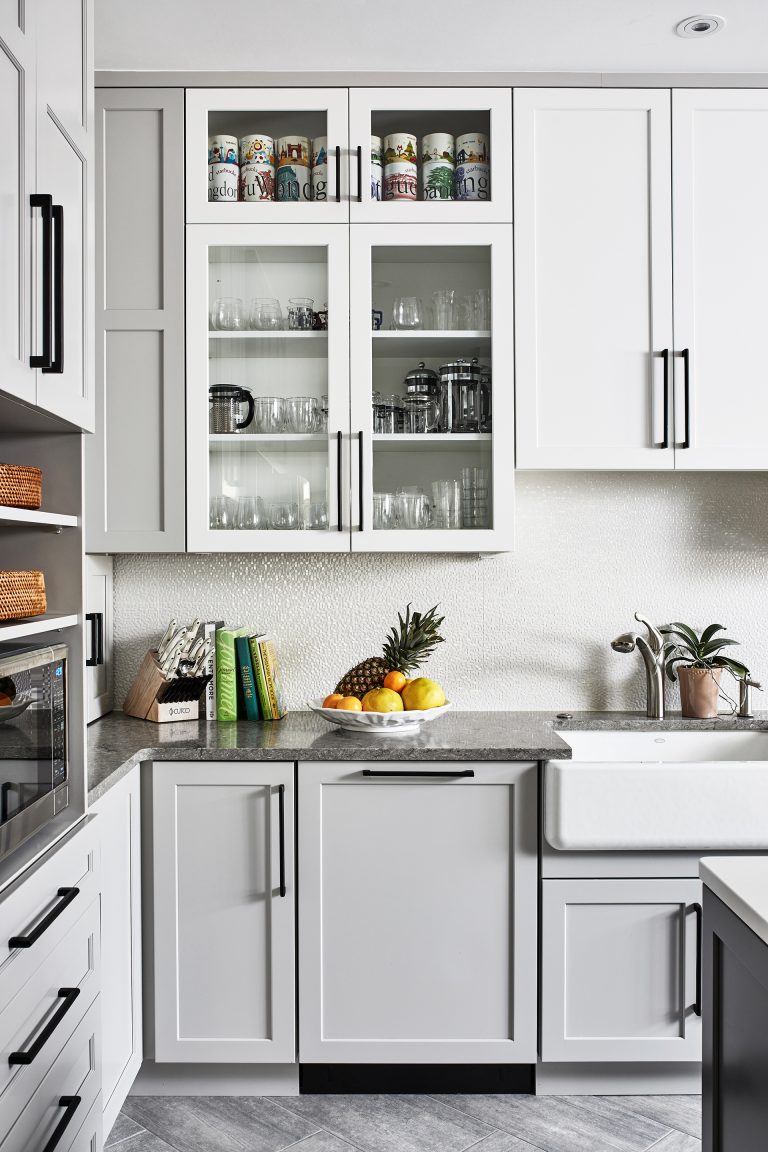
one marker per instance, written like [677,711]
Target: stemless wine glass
[284,515]
[228,314]
[408,313]
[268,414]
[411,510]
[301,313]
[266,314]
[222,512]
[301,413]
[383,510]
[318,515]
[251,514]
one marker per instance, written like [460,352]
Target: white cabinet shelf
[402,441]
[12,516]
[426,343]
[48,622]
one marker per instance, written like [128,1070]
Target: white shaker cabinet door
[619,970]
[224,949]
[720,192]
[417,913]
[593,279]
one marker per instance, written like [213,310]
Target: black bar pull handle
[67,896]
[665,358]
[339,495]
[699,951]
[281,811]
[70,1104]
[338,174]
[686,355]
[26,1056]
[463,773]
[96,621]
[359,174]
[57,360]
[360,484]
[45,204]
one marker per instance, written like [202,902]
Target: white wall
[529,629]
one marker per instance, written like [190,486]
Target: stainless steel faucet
[652,652]
[746,684]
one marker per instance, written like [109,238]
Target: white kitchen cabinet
[119,829]
[417,913]
[224,904]
[139,325]
[375,112]
[593,279]
[720,189]
[619,970]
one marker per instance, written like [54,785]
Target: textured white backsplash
[528,629]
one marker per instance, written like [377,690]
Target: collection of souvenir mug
[443,168]
[258,167]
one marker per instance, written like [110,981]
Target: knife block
[153,697]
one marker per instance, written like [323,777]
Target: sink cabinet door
[618,966]
[417,913]
[224,944]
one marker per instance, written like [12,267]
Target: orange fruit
[350,704]
[423,693]
[333,700]
[395,680]
[382,700]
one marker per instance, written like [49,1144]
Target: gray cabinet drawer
[75,1073]
[53,1001]
[90,1137]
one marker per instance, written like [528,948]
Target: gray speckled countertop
[118,742]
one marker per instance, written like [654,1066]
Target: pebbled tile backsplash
[529,629]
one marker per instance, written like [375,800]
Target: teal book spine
[260,678]
[247,679]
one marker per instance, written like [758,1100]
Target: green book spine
[259,677]
[226,673]
[272,674]
[247,678]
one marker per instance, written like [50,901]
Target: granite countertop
[741,882]
[117,742]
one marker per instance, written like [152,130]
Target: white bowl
[378,723]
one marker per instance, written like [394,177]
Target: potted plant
[697,662]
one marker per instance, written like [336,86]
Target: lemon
[382,700]
[421,694]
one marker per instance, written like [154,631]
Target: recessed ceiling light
[700,26]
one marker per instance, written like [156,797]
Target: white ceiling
[427,35]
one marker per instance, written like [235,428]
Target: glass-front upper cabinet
[267,388]
[430,154]
[432,386]
[267,155]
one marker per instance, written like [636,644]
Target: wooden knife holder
[153,697]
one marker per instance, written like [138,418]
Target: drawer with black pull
[39,909]
[64,1112]
[42,1016]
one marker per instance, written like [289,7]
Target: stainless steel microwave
[34,765]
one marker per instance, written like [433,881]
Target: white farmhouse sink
[664,791]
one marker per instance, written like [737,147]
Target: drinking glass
[318,515]
[411,510]
[268,413]
[384,510]
[251,514]
[322,419]
[222,512]
[301,413]
[301,313]
[446,495]
[443,309]
[408,313]
[482,306]
[475,503]
[228,314]
[284,516]
[266,314]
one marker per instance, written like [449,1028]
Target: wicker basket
[21,594]
[20,487]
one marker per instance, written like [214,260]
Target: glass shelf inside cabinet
[432,371]
[431,155]
[268,445]
[266,155]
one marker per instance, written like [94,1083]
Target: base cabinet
[417,913]
[619,970]
[119,831]
[224,939]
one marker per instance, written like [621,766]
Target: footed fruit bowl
[378,723]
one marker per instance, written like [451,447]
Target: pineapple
[405,649]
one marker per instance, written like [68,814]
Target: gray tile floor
[408,1124]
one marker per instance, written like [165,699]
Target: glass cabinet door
[267,389]
[431,154]
[263,155]
[432,388]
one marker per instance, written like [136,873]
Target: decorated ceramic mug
[400,148]
[438,146]
[376,181]
[294,182]
[222,150]
[400,182]
[257,182]
[437,180]
[257,149]
[293,150]
[223,180]
[472,148]
[472,182]
[320,181]
[376,150]
[319,151]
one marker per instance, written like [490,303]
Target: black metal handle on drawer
[68,997]
[445,775]
[70,1104]
[45,204]
[67,896]
[699,950]
[57,359]
[96,621]
[281,806]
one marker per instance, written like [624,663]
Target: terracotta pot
[699,692]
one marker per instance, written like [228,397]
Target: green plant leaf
[709,632]
[670,666]
[682,630]
[716,645]
[738,669]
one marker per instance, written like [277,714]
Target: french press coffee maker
[225,403]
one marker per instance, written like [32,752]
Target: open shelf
[49,622]
[36,517]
